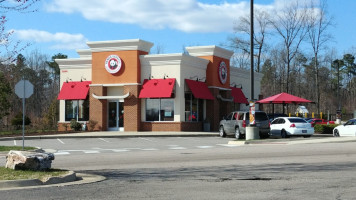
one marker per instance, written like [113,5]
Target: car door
[350,128]
[275,127]
[229,123]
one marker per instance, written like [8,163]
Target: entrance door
[115,116]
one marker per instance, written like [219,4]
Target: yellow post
[312,114]
[296,114]
[290,115]
[321,115]
[306,115]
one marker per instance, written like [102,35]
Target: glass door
[115,116]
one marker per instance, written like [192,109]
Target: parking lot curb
[71,178]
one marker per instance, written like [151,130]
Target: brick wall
[132,108]
[171,126]
[98,108]
[213,110]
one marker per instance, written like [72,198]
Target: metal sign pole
[23,117]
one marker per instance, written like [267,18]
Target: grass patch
[16,148]
[10,174]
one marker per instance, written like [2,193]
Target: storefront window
[77,109]
[159,109]
[235,106]
[193,108]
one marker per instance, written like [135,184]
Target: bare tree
[318,36]
[290,24]
[9,49]
[241,41]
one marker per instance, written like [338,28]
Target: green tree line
[293,52]
[43,73]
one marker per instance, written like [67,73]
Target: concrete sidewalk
[317,138]
[115,134]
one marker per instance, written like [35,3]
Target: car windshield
[309,120]
[350,122]
[297,120]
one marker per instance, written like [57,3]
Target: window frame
[79,108]
[160,110]
[199,108]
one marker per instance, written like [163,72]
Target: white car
[348,129]
[290,126]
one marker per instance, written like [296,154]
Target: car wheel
[336,133]
[237,133]
[222,132]
[283,134]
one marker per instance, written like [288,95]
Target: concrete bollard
[252,133]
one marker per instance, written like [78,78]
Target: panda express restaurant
[121,87]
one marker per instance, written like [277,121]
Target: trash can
[252,133]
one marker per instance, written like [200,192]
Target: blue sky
[62,26]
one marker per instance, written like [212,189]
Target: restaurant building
[121,87]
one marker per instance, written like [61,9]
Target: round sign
[113,64]
[222,72]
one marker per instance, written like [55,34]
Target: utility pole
[251,52]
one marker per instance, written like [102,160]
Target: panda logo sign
[113,64]
[222,72]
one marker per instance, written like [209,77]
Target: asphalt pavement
[5,185]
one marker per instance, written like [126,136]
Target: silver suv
[235,124]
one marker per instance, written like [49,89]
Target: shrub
[92,124]
[324,128]
[17,120]
[74,125]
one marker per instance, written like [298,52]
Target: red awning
[157,88]
[284,98]
[199,89]
[74,90]
[239,96]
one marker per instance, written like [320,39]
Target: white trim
[73,61]
[224,99]
[210,51]
[111,97]
[120,45]
[84,53]
[173,59]
[114,84]
[220,88]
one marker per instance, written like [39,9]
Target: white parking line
[15,142]
[228,145]
[60,140]
[91,151]
[119,150]
[205,147]
[177,148]
[61,153]
[104,140]
[150,149]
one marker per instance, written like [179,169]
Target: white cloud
[59,40]
[183,15]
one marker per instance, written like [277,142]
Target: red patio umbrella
[283,98]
